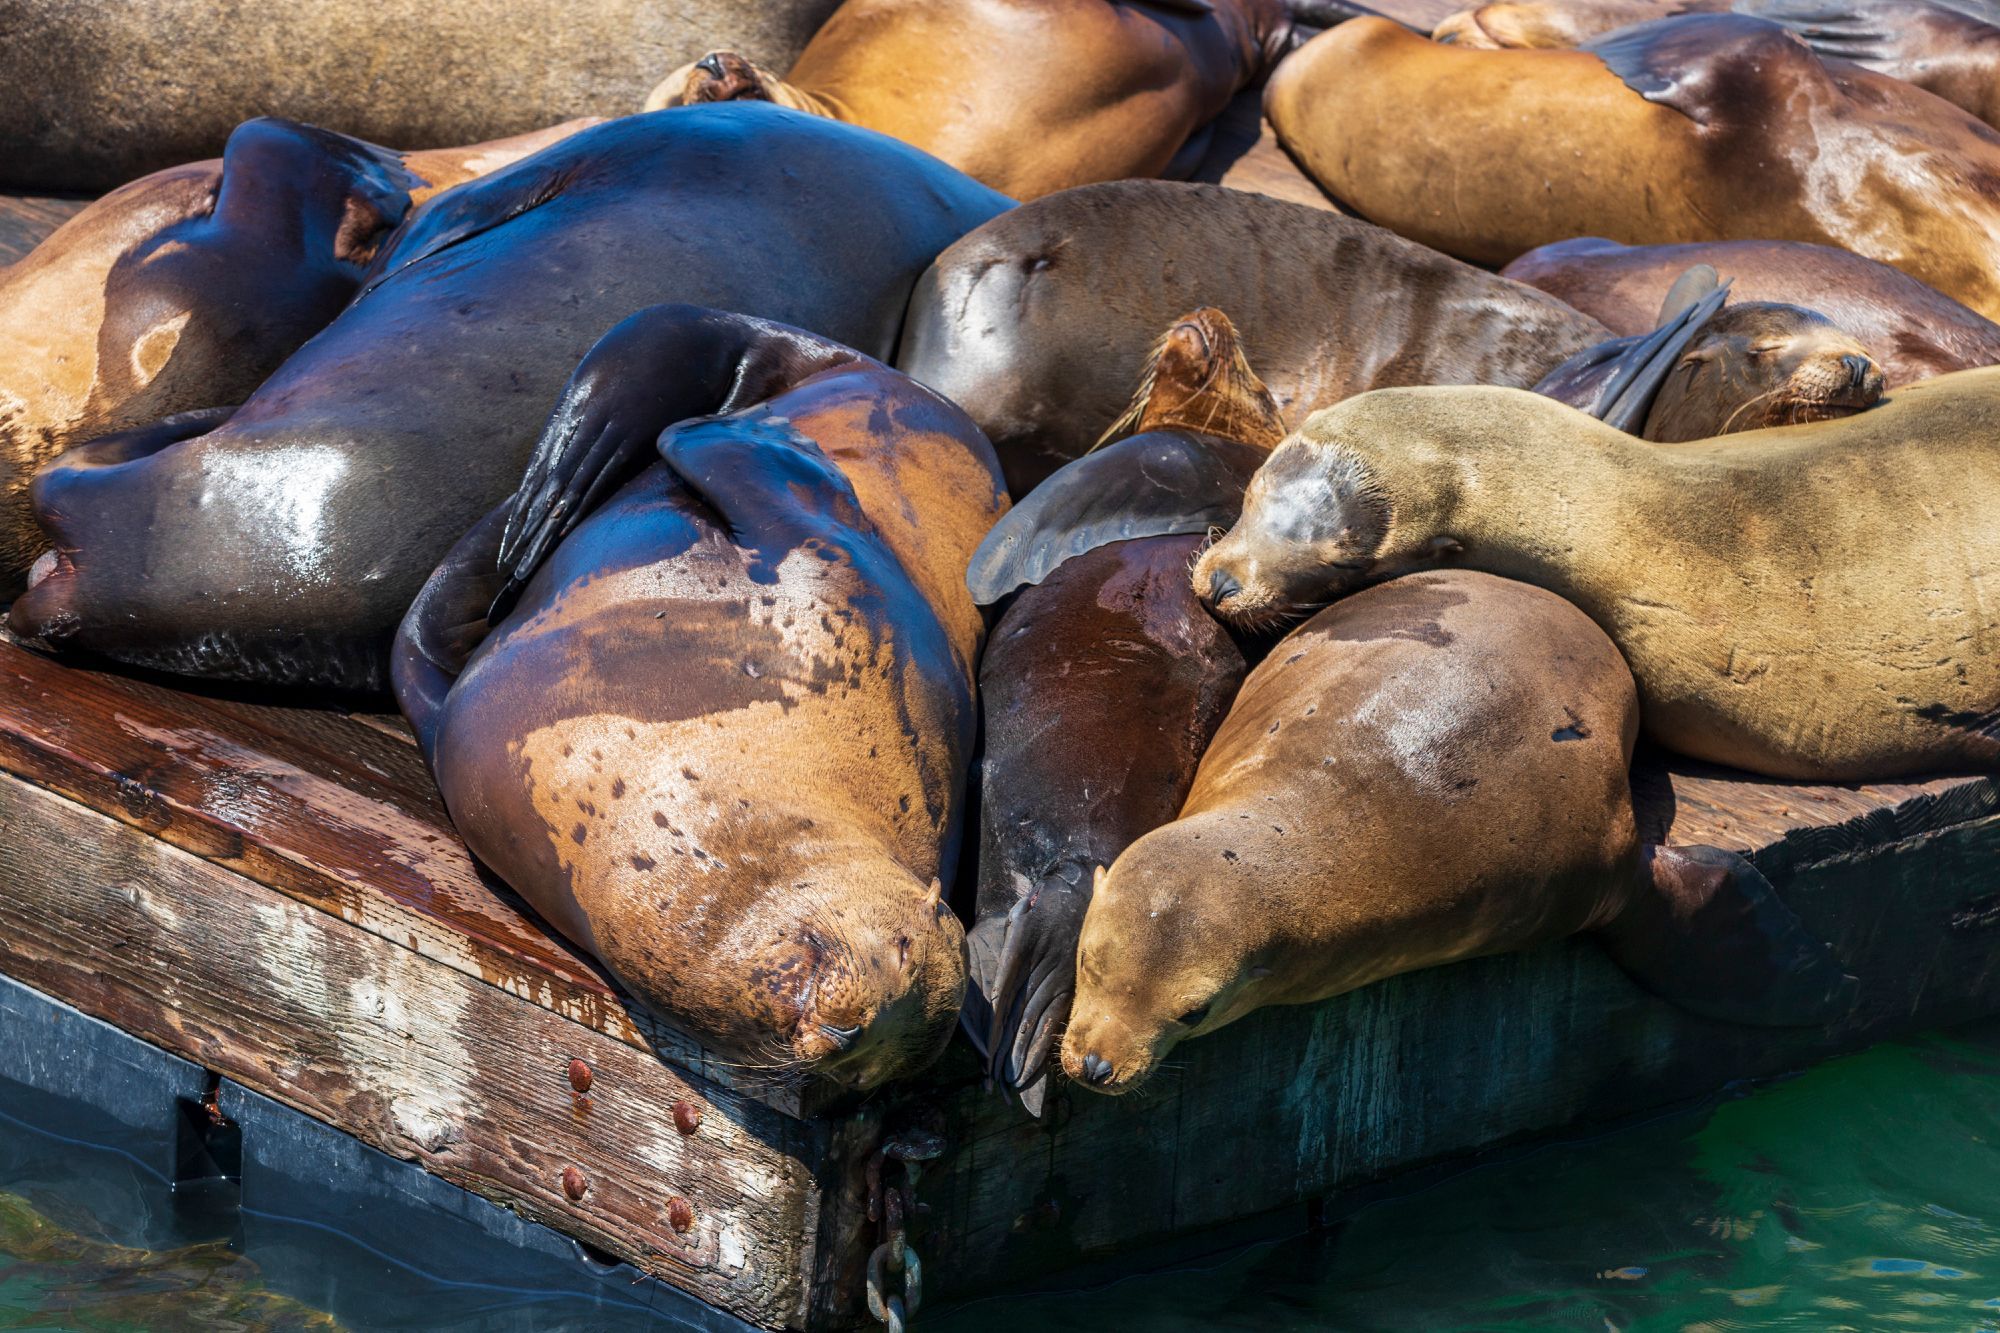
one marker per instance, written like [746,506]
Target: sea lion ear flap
[346,193]
[452,616]
[1708,932]
[1098,875]
[934,895]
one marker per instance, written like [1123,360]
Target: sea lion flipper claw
[1707,931]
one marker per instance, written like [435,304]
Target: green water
[1862,1195]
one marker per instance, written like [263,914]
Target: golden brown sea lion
[186,289]
[1557,24]
[1028,96]
[101,93]
[1033,322]
[1103,682]
[1709,370]
[1431,770]
[721,739]
[1807,602]
[1699,128]
[1913,331]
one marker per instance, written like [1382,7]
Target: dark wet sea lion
[285,544]
[1515,149]
[1029,96]
[1033,322]
[1712,370]
[1431,770]
[1806,602]
[721,739]
[102,93]
[1912,331]
[1100,686]
[184,290]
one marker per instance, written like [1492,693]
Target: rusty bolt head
[574,1183]
[579,1075]
[687,1117]
[680,1214]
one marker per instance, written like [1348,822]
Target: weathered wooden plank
[1297,1103]
[420,1060]
[26,219]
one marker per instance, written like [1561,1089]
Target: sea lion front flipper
[1877,32]
[1160,483]
[1627,398]
[448,620]
[1699,64]
[1708,932]
[665,364]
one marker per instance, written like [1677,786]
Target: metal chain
[892,1182]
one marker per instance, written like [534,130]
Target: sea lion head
[1197,378]
[1313,521]
[725,76]
[1147,981]
[1763,364]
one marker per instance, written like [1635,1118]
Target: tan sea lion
[1102,682]
[1516,149]
[184,290]
[1912,331]
[1027,96]
[1033,322]
[721,738]
[1557,24]
[1808,602]
[1710,369]
[102,93]
[1431,770]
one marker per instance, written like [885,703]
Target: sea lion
[1804,602]
[721,738]
[1844,156]
[1033,322]
[1912,331]
[1431,770]
[1102,684]
[101,94]
[285,544]
[1708,370]
[185,289]
[1557,24]
[1028,96]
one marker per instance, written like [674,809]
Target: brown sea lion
[1028,96]
[1843,156]
[285,544]
[1033,322]
[1431,770]
[1558,24]
[102,93]
[1102,683]
[184,290]
[1912,331]
[721,738]
[1711,370]
[1807,602]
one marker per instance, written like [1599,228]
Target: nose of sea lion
[1222,586]
[1858,369]
[1096,1069]
[842,1037]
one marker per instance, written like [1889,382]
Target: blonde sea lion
[1102,683]
[1430,770]
[1557,24]
[184,290]
[1758,137]
[1028,96]
[717,725]
[1912,331]
[1810,602]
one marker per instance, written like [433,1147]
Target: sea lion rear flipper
[1708,932]
[665,364]
[447,621]
[1699,64]
[345,193]
[771,486]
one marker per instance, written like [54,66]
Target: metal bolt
[574,1183]
[579,1075]
[687,1117]
[680,1214]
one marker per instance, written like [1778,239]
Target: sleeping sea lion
[1912,331]
[285,544]
[1515,149]
[185,289]
[1029,96]
[1557,24]
[1431,770]
[717,723]
[1709,370]
[102,93]
[1807,602]
[1033,322]
[1102,683]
